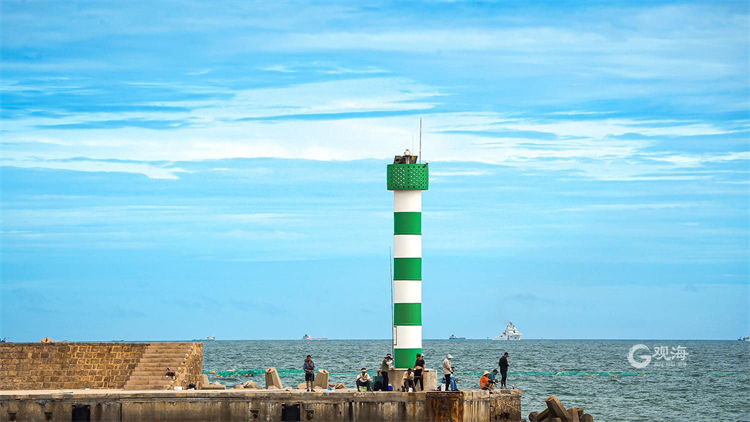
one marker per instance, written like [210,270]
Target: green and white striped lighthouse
[407,179]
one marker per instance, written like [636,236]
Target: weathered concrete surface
[262,405]
[273,379]
[321,379]
[185,359]
[557,409]
[396,378]
[38,366]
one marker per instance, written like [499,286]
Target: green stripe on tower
[407,314]
[407,223]
[405,358]
[407,268]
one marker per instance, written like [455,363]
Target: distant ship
[209,338]
[307,337]
[510,333]
[453,337]
[746,338]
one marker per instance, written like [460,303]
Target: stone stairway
[150,372]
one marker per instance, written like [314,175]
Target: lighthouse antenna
[420,140]
[393,330]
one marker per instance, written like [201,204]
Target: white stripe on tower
[407,291]
[407,246]
[409,336]
[407,201]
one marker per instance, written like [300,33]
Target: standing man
[385,366]
[309,367]
[418,376]
[503,369]
[447,371]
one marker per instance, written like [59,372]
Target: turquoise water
[711,383]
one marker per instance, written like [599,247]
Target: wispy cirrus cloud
[607,95]
[634,206]
[586,146]
[96,166]
[323,68]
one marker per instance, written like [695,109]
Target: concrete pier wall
[259,405]
[46,366]
[38,366]
[430,379]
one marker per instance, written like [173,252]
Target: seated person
[485,382]
[454,380]
[170,373]
[408,381]
[364,379]
[493,377]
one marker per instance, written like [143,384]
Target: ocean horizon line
[371,339]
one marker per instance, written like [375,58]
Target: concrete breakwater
[259,405]
[127,382]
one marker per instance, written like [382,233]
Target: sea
[674,381]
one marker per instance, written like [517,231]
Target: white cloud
[697,160]
[459,173]
[151,171]
[589,146]
[632,207]
[278,68]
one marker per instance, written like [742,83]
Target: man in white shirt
[447,371]
[364,380]
[409,381]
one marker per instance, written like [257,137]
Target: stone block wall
[41,366]
[192,372]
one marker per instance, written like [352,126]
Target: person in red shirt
[485,383]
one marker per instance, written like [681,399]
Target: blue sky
[176,169]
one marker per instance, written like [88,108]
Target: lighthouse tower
[407,179]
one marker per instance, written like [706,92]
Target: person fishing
[309,367]
[447,371]
[385,366]
[485,382]
[493,377]
[418,369]
[364,380]
[503,364]
[408,384]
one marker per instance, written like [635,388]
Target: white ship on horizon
[209,338]
[510,333]
[307,337]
